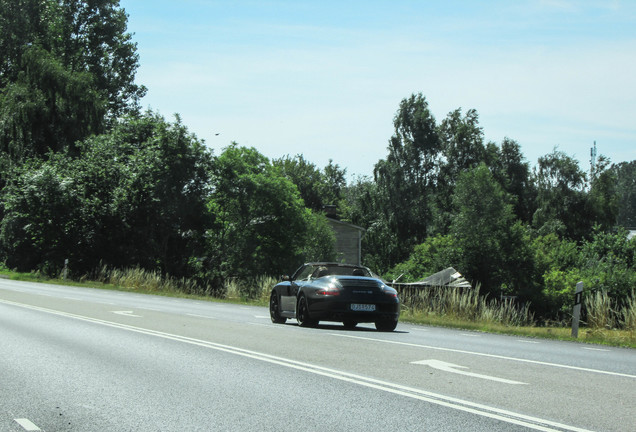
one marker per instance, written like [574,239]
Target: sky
[325,78]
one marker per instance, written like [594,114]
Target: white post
[576,312]
[65,269]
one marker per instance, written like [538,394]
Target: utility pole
[593,161]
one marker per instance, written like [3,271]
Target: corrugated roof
[448,277]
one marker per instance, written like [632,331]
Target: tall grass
[605,313]
[256,289]
[436,304]
[139,279]
[464,304]
[628,313]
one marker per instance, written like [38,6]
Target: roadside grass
[609,337]
[440,307]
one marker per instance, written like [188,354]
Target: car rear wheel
[302,313]
[274,311]
[386,325]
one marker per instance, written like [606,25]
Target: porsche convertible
[326,291]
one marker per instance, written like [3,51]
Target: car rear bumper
[332,310]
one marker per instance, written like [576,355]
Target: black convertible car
[335,292]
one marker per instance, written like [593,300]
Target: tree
[84,36]
[626,190]
[561,198]
[317,188]
[47,107]
[262,225]
[163,195]
[404,183]
[607,262]
[462,150]
[67,71]
[135,197]
[306,176]
[513,174]
[39,226]
[603,198]
[493,246]
[333,184]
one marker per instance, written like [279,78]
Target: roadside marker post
[576,312]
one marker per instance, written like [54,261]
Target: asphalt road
[74,359]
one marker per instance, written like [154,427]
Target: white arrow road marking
[485,355]
[27,425]
[498,414]
[126,313]
[450,367]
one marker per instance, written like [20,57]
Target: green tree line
[443,197]
[87,176]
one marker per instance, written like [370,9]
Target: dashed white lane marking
[198,316]
[398,389]
[597,349]
[27,424]
[527,341]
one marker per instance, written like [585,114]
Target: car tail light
[331,289]
[328,291]
[390,292]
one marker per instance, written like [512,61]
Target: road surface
[76,359]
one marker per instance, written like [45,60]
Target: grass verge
[256,293]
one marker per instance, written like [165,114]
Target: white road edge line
[502,415]
[488,355]
[27,424]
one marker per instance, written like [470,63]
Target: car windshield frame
[311,271]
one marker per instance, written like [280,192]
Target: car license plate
[362,307]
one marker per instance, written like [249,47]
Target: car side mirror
[285,278]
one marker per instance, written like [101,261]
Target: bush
[435,254]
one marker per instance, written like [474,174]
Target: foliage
[402,199]
[456,304]
[561,198]
[40,216]
[317,188]
[604,263]
[47,107]
[626,191]
[462,150]
[603,197]
[261,223]
[432,256]
[67,71]
[135,196]
[608,262]
[512,172]
[84,37]
[492,247]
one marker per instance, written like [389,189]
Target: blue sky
[325,78]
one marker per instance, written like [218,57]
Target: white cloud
[331,91]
